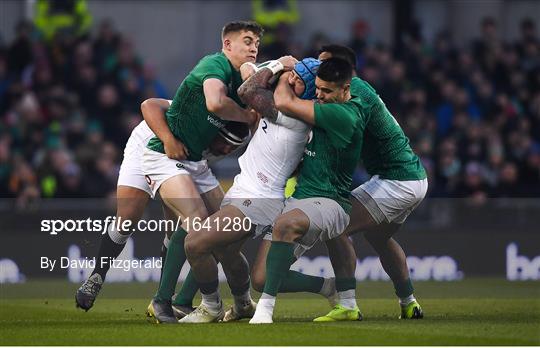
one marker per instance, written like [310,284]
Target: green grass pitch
[468,312]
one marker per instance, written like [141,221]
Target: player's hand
[288,62]
[175,149]
[246,71]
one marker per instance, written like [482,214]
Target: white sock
[347,298]
[265,310]
[266,303]
[241,301]
[212,302]
[116,236]
[329,287]
[406,300]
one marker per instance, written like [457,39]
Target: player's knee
[195,244]
[287,229]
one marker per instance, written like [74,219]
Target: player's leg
[182,197]
[394,262]
[385,204]
[169,216]
[294,281]
[305,222]
[258,268]
[302,224]
[183,302]
[216,233]
[131,202]
[343,259]
[228,252]
[362,218]
[236,269]
[214,196]
[288,228]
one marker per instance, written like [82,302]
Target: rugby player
[205,100]
[381,205]
[319,208]
[257,194]
[133,192]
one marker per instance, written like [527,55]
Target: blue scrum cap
[307,70]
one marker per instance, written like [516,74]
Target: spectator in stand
[471,111]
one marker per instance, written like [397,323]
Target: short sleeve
[339,122]
[214,66]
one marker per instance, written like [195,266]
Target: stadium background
[461,77]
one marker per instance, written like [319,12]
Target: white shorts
[327,220]
[158,168]
[261,211]
[131,173]
[390,201]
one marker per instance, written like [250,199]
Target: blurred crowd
[472,113]
[67,108]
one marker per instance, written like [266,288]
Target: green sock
[187,292]
[344,284]
[176,256]
[279,260]
[298,282]
[404,289]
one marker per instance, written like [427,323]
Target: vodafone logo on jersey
[310,153]
[215,122]
[306,151]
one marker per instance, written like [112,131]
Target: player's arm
[288,103]
[218,103]
[153,111]
[255,93]
[256,90]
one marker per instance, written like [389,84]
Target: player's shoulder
[217,59]
[290,122]
[363,90]
[351,108]
[361,85]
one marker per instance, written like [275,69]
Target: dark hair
[340,51]
[237,26]
[335,70]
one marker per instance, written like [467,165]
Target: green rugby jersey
[188,118]
[333,152]
[386,150]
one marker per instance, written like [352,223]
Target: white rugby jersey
[271,156]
